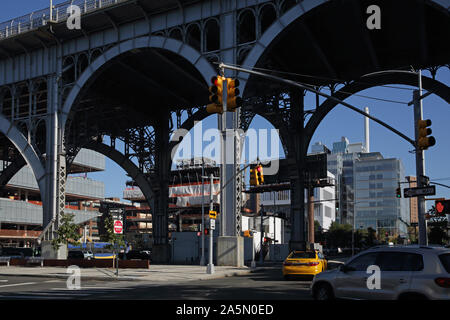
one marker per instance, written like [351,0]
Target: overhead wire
[317,77]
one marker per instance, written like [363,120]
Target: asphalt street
[267,284]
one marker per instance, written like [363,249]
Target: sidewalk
[156,273]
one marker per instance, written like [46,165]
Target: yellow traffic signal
[216,91]
[424,142]
[233,99]
[214,108]
[248,233]
[254,178]
[260,175]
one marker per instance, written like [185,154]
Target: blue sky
[340,122]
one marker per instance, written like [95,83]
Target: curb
[112,278]
[60,276]
[230,274]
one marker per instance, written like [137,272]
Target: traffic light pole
[202,260]
[261,253]
[420,163]
[210,267]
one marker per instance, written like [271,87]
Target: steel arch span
[200,63]
[378,53]
[126,164]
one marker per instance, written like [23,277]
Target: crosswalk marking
[34,297]
[49,281]
[17,284]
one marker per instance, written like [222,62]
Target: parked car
[304,263]
[146,254]
[138,255]
[75,255]
[88,255]
[406,272]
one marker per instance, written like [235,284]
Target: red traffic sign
[118,227]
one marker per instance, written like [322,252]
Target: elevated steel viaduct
[138,70]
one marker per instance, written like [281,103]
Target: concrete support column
[49,200]
[230,244]
[297,154]
[161,249]
[53,200]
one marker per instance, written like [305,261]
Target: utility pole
[420,163]
[202,259]
[310,213]
[210,267]
[261,255]
[274,220]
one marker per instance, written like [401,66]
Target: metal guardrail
[40,18]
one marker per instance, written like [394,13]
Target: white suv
[405,272]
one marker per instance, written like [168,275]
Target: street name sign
[417,192]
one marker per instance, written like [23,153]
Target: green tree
[412,232]
[340,235]
[67,232]
[371,237]
[381,235]
[437,236]
[108,234]
[437,231]
[361,238]
[318,232]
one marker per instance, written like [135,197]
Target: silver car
[88,255]
[388,273]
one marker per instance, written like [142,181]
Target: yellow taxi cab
[304,263]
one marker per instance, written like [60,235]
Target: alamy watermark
[374,280]
[256,142]
[74,19]
[74,280]
[374,20]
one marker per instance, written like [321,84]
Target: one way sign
[417,192]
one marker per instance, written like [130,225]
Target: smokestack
[366,130]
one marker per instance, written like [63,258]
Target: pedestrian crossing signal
[442,207]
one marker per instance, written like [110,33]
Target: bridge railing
[40,18]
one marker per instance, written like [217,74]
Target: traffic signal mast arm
[305,87]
